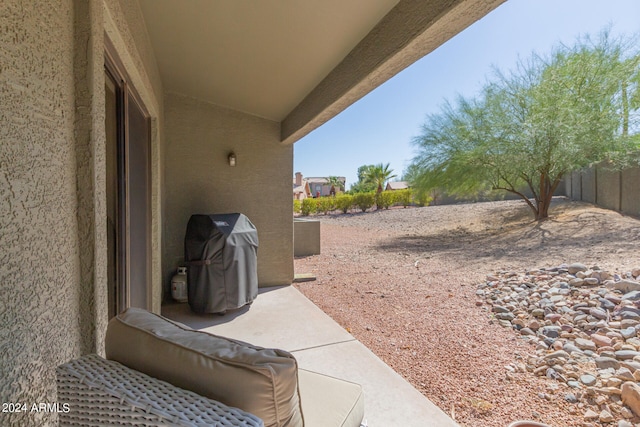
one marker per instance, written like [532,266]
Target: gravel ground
[403,282]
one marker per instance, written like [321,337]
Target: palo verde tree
[527,129]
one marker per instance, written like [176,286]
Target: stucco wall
[52,185]
[40,309]
[89,128]
[198,179]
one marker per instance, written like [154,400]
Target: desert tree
[336,183]
[363,185]
[528,128]
[378,175]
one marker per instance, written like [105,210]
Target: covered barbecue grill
[222,267]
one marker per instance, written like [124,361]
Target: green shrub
[422,198]
[344,202]
[325,204]
[385,199]
[403,197]
[297,206]
[364,200]
[309,206]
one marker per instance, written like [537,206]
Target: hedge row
[358,201]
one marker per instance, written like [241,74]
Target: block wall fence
[615,190]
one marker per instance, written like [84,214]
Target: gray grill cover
[222,266]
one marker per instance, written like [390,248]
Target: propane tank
[179,285]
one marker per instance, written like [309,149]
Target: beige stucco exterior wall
[52,185]
[198,180]
[40,308]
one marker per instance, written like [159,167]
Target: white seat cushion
[330,402]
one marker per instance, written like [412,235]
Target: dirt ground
[403,282]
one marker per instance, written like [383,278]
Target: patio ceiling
[259,57]
[299,62]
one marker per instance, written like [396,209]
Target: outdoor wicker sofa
[102,392]
[160,372]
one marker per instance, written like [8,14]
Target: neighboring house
[121,118]
[301,189]
[397,185]
[315,186]
[301,192]
[321,186]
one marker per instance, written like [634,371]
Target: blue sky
[379,127]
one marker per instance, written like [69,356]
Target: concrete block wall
[610,189]
[589,185]
[630,191]
[575,185]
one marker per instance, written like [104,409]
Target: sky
[379,127]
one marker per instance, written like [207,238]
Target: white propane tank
[179,285]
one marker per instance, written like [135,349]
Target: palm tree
[379,175]
[336,183]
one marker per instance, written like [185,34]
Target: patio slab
[284,318]
[281,317]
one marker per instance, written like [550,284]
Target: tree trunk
[533,206]
[543,207]
[547,190]
[540,206]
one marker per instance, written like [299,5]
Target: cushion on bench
[261,381]
[328,401]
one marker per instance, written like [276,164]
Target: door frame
[125,91]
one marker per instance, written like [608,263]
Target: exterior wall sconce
[232,159]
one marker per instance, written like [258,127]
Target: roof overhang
[296,62]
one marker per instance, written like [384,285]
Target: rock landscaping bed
[584,323]
[404,283]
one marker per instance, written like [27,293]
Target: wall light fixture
[232,159]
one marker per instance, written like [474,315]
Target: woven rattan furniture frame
[103,392]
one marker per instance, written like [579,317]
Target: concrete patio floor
[283,318]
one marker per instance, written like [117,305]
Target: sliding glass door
[128,192]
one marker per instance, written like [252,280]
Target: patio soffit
[298,62]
